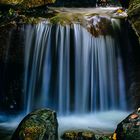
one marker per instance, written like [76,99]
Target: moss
[67,18]
[38,125]
[78,134]
[137,25]
[134,16]
[11,1]
[86,135]
[27,3]
[105,138]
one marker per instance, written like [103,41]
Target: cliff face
[134,16]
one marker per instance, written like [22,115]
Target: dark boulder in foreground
[39,125]
[129,128]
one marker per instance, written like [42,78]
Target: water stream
[71,71]
[79,75]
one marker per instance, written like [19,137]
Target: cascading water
[71,71]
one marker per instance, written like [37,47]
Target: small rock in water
[78,135]
[120,13]
[84,135]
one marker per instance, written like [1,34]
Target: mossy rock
[129,128]
[27,3]
[11,1]
[67,18]
[39,125]
[78,135]
[36,3]
[134,16]
[105,138]
[103,135]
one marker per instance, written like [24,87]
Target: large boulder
[39,125]
[129,128]
[134,15]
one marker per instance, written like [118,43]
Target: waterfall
[71,71]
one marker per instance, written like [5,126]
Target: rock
[27,3]
[11,1]
[134,16]
[120,12]
[78,135]
[129,128]
[36,3]
[105,138]
[39,125]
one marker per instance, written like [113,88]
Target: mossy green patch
[38,125]
[67,18]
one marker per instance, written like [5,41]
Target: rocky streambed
[43,123]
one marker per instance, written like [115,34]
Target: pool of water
[100,122]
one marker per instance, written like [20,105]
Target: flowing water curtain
[69,70]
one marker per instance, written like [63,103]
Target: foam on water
[106,121]
[10,122]
[98,122]
[59,71]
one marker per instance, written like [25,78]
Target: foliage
[11,11]
[11,1]
[34,3]
[28,3]
[134,14]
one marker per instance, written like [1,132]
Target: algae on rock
[39,125]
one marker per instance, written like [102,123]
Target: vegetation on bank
[27,3]
[134,16]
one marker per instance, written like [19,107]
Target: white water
[78,75]
[69,70]
[101,121]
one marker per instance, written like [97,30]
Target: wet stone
[38,125]
[78,135]
[129,128]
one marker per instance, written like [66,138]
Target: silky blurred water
[71,71]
